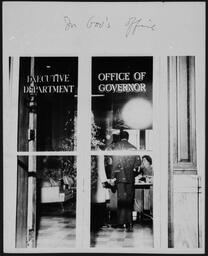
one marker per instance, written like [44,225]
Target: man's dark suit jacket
[123,166]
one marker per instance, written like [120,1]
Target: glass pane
[121,101]
[121,201]
[47,104]
[46,205]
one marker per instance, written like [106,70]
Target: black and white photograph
[104,127]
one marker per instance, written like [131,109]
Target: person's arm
[136,171]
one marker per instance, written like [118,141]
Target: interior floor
[140,237]
[56,226]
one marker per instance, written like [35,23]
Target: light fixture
[137,113]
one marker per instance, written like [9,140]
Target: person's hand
[107,184]
[112,181]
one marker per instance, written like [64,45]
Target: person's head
[124,135]
[146,161]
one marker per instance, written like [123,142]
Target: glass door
[122,159]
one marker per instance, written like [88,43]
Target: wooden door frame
[160,152]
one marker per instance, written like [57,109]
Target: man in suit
[124,170]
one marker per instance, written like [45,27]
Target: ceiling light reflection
[137,113]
